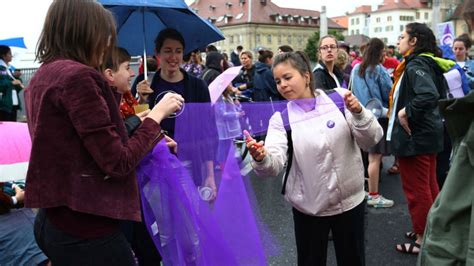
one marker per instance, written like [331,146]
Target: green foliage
[313,41]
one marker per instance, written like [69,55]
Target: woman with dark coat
[326,75]
[213,68]
[264,84]
[10,87]
[415,125]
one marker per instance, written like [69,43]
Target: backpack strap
[286,124]
[338,101]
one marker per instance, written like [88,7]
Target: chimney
[323,22]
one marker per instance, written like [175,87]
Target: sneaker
[379,202]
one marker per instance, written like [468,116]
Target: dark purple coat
[81,156]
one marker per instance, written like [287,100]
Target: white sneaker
[379,202]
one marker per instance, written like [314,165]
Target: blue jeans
[64,249]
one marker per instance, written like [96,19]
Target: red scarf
[126,105]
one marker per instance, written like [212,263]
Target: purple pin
[330,124]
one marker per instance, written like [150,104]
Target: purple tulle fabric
[186,229]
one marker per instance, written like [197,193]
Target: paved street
[385,227]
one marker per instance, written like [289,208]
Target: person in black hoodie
[264,85]
[214,61]
[326,75]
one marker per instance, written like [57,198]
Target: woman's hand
[210,182]
[143,90]
[143,115]
[256,150]
[17,82]
[172,145]
[171,103]
[352,103]
[403,118]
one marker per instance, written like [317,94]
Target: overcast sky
[24,18]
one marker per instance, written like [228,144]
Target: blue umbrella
[140,21]
[14,42]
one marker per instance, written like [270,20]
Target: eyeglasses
[327,47]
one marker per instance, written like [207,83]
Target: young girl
[82,166]
[325,184]
[371,80]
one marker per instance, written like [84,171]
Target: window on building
[377,20]
[357,32]
[402,28]
[231,39]
[385,40]
[352,21]
[389,18]
[388,28]
[357,21]
[288,39]
[352,32]
[241,38]
[426,15]
[257,38]
[300,40]
[418,15]
[279,38]
[269,38]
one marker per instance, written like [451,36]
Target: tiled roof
[388,5]
[341,20]
[262,12]
[362,10]
[401,4]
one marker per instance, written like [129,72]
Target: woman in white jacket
[325,184]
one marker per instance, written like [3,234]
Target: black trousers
[347,228]
[64,249]
[9,116]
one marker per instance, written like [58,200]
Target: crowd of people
[89,135]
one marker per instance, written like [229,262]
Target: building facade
[388,21]
[256,24]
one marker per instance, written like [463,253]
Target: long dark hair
[372,55]
[425,39]
[4,50]
[299,61]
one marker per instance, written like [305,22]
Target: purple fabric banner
[186,229]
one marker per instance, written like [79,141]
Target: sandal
[393,170]
[408,248]
[410,235]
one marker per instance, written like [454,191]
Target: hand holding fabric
[352,103]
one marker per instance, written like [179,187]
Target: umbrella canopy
[14,42]
[15,148]
[139,22]
[221,82]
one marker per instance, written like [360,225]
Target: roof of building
[362,10]
[356,40]
[341,20]
[389,5]
[234,12]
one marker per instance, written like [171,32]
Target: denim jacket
[469,70]
[377,81]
